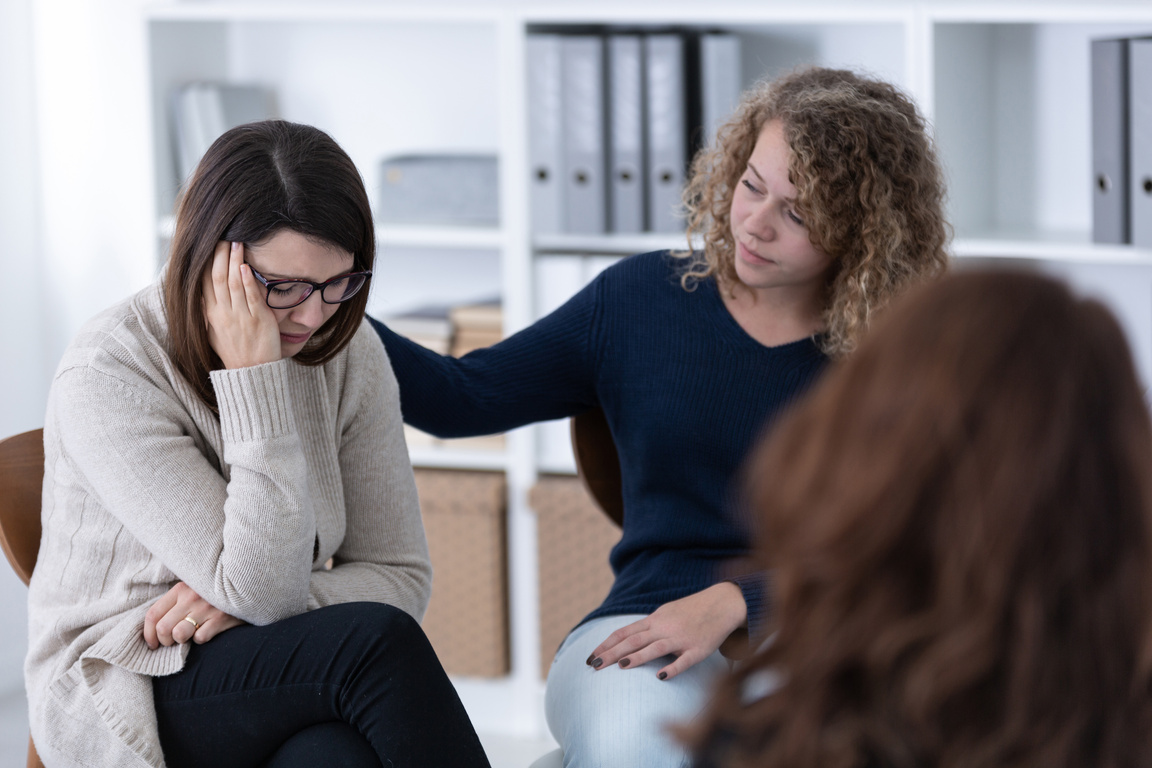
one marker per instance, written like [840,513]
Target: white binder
[720,80]
[1110,141]
[1140,141]
[545,134]
[626,208]
[667,130]
[585,157]
[202,111]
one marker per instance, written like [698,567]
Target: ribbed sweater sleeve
[546,371]
[243,543]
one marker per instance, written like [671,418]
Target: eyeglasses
[285,294]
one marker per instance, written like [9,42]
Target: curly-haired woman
[959,522]
[820,200]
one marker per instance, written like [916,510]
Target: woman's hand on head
[242,330]
[690,629]
[165,622]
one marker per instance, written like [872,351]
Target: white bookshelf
[1004,84]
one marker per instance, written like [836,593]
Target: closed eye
[748,184]
[795,218]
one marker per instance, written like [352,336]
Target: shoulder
[363,364]
[660,266]
[127,340]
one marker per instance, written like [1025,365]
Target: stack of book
[452,329]
[201,111]
[428,326]
[614,120]
[475,326]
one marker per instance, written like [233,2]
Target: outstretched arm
[546,371]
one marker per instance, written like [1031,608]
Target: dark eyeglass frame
[312,287]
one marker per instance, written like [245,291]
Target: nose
[761,223]
[310,312]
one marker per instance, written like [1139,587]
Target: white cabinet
[1005,86]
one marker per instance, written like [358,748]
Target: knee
[375,619]
[382,626]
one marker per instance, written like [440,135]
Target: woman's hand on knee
[691,629]
[181,615]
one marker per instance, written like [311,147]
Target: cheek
[281,315]
[329,311]
[736,212]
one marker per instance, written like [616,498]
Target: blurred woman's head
[255,182]
[957,522]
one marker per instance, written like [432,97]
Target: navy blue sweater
[686,393]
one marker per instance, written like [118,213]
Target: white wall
[75,212]
[23,374]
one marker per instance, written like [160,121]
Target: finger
[628,646]
[682,663]
[165,626]
[183,630]
[155,614]
[235,284]
[213,626]
[253,291]
[650,651]
[617,637]
[219,273]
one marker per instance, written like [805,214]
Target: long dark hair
[254,181]
[958,523]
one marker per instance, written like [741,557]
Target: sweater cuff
[754,588]
[254,402]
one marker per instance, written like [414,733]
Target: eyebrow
[791,200]
[277,276]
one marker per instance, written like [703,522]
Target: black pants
[351,685]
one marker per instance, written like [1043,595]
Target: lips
[750,256]
[297,338]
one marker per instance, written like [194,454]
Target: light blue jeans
[610,718]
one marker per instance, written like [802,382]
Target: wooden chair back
[598,463]
[21,484]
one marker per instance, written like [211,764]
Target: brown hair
[869,188]
[254,181]
[957,520]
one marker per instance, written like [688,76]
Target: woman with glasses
[820,199]
[233,564]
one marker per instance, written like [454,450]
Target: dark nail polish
[597,663]
[589,660]
[663,675]
[625,662]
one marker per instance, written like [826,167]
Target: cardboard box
[467,618]
[574,538]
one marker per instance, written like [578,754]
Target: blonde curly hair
[869,188]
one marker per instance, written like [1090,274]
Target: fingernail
[235,245]
[663,675]
[624,662]
[597,663]
[590,657]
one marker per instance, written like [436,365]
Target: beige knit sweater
[145,486]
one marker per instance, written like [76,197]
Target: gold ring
[191,621]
